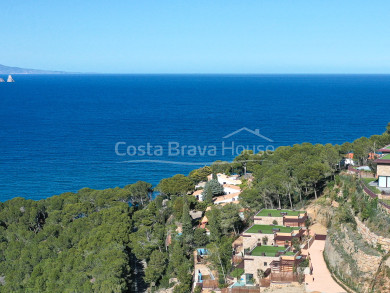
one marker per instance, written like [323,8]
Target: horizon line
[194,73]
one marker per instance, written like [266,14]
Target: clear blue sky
[198,36]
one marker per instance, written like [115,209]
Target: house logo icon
[254,132]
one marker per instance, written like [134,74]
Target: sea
[61,133]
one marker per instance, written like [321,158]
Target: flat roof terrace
[278,213]
[386,157]
[270,251]
[270,229]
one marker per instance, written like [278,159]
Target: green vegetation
[268,229]
[98,241]
[68,243]
[278,213]
[268,250]
[211,189]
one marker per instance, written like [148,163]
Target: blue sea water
[58,132]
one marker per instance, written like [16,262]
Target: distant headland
[17,70]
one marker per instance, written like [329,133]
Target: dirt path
[323,281]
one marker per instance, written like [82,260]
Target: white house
[225,179]
[227,198]
[198,194]
[229,188]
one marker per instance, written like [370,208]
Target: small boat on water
[1,80]
[10,79]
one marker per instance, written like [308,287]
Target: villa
[266,248]
[270,235]
[229,188]
[227,198]
[383,168]
[198,194]
[276,262]
[261,257]
[288,218]
[225,179]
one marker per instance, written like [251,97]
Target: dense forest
[120,240]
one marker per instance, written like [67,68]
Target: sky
[183,36]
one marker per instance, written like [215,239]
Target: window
[265,263]
[384,181]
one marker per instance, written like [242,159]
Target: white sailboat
[10,79]
[1,80]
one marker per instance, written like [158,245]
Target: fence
[361,173]
[284,277]
[373,194]
[366,189]
[265,282]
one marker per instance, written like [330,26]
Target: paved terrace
[278,213]
[268,229]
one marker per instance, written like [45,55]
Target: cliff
[357,247]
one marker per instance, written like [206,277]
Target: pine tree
[188,232]
[208,196]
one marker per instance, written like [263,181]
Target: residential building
[289,218]
[383,168]
[230,188]
[226,179]
[265,257]
[198,194]
[227,198]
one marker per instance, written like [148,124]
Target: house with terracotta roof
[198,194]
[230,188]
[203,222]
[227,198]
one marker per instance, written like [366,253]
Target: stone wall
[254,263]
[347,260]
[383,170]
[371,237]
[250,239]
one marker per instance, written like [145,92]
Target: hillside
[356,249]
[17,70]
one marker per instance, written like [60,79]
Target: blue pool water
[58,132]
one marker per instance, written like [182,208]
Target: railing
[366,189]
[308,243]
[373,194]
[284,277]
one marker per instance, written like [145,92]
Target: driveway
[323,281]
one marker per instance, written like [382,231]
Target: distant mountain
[16,70]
